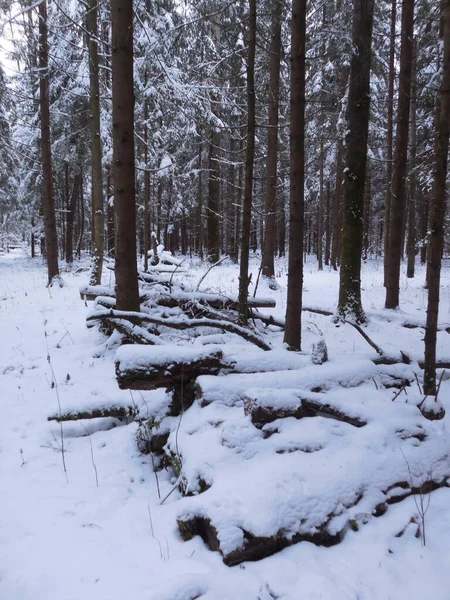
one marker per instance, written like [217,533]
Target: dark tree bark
[123,155]
[292,334]
[111,219]
[98,236]
[336,210]
[412,172]
[438,208]
[81,216]
[350,306]
[367,211]
[400,158]
[199,225]
[268,267]
[212,214]
[71,206]
[389,137]
[48,200]
[249,163]
[146,237]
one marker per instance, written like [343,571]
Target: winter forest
[224,299]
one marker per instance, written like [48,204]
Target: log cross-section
[176,369]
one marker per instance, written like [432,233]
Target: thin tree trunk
[400,159]
[212,215]
[81,216]
[293,331]
[350,305]
[328,225]
[127,294]
[51,237]
[320,211]
[146,191]
[337,202]
[98,219]
[389,138]
[249,164]
[412,172]
[71,206]
[110,216]
[367,208]
[437,221]
[267,265]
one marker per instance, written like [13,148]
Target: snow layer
[69,538]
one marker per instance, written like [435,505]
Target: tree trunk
[320,211]
[110,216]
[438,208]
[400,159]
[98,237]
[127,294]
[292,334]
[367,210]
[412,172]
[389,137]
[350,306]
[267,265]
[51,237]
[249,163]
[212,215]
[71,206]
[337,205]
[81,217]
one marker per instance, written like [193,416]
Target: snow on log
[142,319]
[266,405]
[173,367]
[310,479]
[118,412]
[232,389]
[149,368]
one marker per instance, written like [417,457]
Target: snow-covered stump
[173,367]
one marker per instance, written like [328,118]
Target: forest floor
[97,531]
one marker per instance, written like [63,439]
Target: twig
[366,337]
[55,385]
[175,270]
[398,393]
[418,383]
[211,267]
[439,384]
[92,453]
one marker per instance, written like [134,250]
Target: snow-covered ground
[98,531]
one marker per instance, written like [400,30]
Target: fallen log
[150,368]
[215,301]
[266,406]
[138,318]
[117,412]
[256,548]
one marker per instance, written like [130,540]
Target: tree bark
[71,206]
[98,237]
[400,159]
[412,172]
[350,306]
[249,163]
[267,265]
[123,155]
[389,137]
[51,236]
[292,334]
[438,208]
